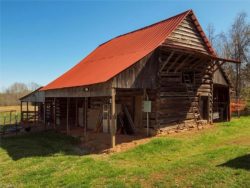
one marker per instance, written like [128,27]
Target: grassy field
[215,157]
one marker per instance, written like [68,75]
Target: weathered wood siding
[142,74]
[218,78]
[174,103]
[97,90]
[187,35]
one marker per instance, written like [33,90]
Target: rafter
[183,62]
[196,63]
[219,64]
[172,65]
[166,62]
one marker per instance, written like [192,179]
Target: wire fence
[9,117]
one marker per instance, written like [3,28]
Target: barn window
[188,77]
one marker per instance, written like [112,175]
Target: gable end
[187,35]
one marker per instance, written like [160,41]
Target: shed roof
[116,55]
[34,96]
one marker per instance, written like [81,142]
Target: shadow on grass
[40,144]
[242,162]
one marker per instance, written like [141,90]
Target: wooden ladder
[190,92]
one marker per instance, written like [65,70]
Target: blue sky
[40,40]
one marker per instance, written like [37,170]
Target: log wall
[174,104]
[187,35]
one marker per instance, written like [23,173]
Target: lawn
[215,157]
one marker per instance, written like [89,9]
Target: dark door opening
[221,103]
[204,107]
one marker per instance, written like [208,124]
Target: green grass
[216,157]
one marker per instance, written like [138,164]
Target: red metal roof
[114,56]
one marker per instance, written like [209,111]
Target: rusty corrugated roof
[114,56]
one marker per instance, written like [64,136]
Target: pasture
[214,157]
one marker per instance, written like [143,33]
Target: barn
[163,76]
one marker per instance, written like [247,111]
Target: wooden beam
[183,63]
[173,64]
[21,109]
[113,115]
[68,100]
[85,116]
[166,62]
[196,63]
[27,109]
[35,113]
[219,64]
[54,112]
[76,112]
[44,114]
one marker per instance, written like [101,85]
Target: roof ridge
[148,26]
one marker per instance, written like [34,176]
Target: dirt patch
[243,141]
[99,143]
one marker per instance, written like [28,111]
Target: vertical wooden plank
[44,113]
[35,115]
[68,100]
[85,116]
[21,109]
[27,110]
[76,112]
[138,111]
[54,112]
[10,116]
[113,116]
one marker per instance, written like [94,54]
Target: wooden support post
[35,113]
[10,116]
[113,116]
[54,112]
[21,110]
[27,110]
[76,112]
[68,100]
[44,114]
[85,116]
[4,118]
[146,95]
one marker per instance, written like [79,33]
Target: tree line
[10,96]
[235,44]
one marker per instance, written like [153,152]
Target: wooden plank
[166,62]
[85,102]
[21,109]
[54,112]
[173,64]
[67,117]
[183,62]
[113,114]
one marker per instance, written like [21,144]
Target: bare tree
[236,45]
[211,33]
[11,95]
[33,86]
